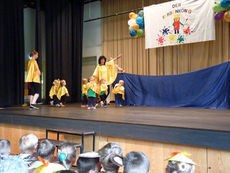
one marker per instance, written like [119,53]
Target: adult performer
[106,70]
[33,79]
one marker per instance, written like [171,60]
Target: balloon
[140,32]
[136,36]
[139,20]
[224,3]
[217,8]
[62,156]
[134,16]
[133,33]
[136,27]
[131,28]
[131,15]
[142,26]
[132,22]
[227,16]
[141,13]
[219,16]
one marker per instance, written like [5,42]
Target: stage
[188,126]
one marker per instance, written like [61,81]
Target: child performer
[54,91]
[103,92]
[91,92]
[62,93]
[119,91]
[84,93]
[33,79]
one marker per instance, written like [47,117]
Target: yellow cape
[107,72]
[32,72]
[54,90]
[61,92]
[93,86]
[119,90]
[84,89]
[103,87]
[51,168]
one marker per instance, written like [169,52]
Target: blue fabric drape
[206,88]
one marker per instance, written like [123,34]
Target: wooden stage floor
[191,118]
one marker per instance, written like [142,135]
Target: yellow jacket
[103,87]
[107,72]
[119,90]
[61,92]
[84,89]
[32,72]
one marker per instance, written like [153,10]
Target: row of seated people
[38,157]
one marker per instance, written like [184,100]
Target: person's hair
[84,80]
[28,143]
[86,164]
[107,154]
[70,152]
[4,148]
[33,52]
[45,149]
[66,171]
[100,58]
[136,162]
[13,164]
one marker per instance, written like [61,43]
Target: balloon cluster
[136,24]
[222,10]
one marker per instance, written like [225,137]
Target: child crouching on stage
[103,91]
[91,92]
[84,93]
[119,91]
[53,92]
[62,93]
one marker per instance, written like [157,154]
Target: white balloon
[131,22]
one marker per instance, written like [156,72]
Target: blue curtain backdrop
[206,88]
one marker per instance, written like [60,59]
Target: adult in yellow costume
[107,71]
[33,79]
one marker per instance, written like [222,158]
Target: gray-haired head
[4,148]
[111,157]
[179,167]
[28,143]
[70,155]
[136,162]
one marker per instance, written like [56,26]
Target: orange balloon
[227,16]
[136,27]
[131,15]
[134,16]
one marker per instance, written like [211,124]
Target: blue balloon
[62,156]
[224,3]
[139,20]
[142,26]
[131,29]
[133,33]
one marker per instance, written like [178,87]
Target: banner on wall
[179,22]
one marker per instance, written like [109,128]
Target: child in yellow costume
[119,91]
[84,93]
[62,93]
[33,79]
[92,89]
[54,91]
[103,91]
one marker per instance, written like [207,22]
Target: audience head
[4,148]
[89,163]
[67,155]
[102,60]
[136,162]
[28,143]
[45,149]
[111,157]
[180,163]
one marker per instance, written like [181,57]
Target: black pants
[103,97]
[57,101]
[91,101]
[84,100]
[118,99]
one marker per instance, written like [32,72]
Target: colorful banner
[179,22]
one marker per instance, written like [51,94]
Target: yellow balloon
[136,36]
[136,27]
[134,16]
[131,15]
[227,16]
